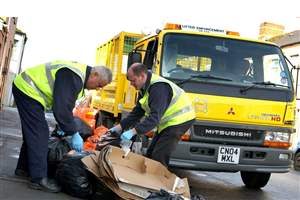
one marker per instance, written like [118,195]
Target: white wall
[293,53]
[14,68]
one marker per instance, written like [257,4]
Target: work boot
[45,184]
[21,173]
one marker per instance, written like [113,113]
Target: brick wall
[7,33]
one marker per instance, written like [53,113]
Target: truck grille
[214,132]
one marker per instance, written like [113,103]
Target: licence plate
[229,155]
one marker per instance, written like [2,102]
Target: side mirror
[133,57]
[297,83]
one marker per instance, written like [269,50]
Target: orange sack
[91,142]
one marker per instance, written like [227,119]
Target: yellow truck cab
[241,89]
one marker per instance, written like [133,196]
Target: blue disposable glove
[77,142]
[127,135]
[116,129]
[60,133]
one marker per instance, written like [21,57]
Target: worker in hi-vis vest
[165,107]
[51,86]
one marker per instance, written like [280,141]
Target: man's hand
[77,142]
[60,133]
[116,129]
[127,135]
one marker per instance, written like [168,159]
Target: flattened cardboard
[91,165]
[131,176]
[107,181]
[121,193]
[186,189]
[106,164]
[136,190]
[105,172]
[141,171]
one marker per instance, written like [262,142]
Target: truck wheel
[297,161]
[255,180]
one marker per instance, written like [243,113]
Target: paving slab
[12,187]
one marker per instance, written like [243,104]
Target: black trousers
[165,142]
[35,132]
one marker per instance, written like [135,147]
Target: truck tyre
[255,180]
[297,161]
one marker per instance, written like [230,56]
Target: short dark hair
[139,68]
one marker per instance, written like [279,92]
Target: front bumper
[203,156]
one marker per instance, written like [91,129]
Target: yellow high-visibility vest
[180,109]
[38,82]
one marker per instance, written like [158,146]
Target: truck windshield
[185,57]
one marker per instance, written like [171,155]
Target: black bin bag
[84,130]
[57,149]
[164,195]
[74,178]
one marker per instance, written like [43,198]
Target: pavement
[12,187]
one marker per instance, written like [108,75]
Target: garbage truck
[242,91]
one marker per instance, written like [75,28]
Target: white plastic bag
[125,145]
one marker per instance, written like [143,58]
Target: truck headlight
[277,139]
[277,136]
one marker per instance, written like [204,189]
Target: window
[196,63]
[217,59]
[273,70]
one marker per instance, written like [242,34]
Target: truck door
[130,93]
[150,54]
[148,50]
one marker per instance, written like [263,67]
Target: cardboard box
[131,177]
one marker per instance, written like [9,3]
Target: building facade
[290,45]
[7,32]
[268,30]
[14,66]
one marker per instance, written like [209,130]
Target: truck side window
[150,56]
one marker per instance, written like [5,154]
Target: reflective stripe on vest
[173,114]
[178,91]
[50,67]
[50,79]
[180,112]
[31,83]
[45,91]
